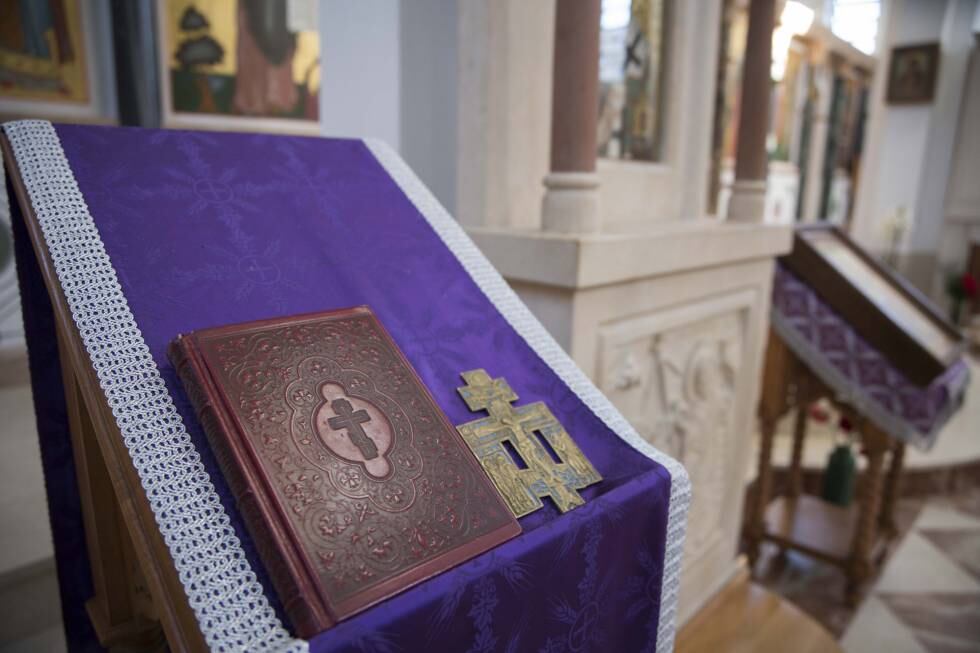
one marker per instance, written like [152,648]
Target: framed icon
[250,65]
[912,73]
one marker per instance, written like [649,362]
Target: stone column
[748,199]
[571,201]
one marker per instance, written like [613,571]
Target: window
[856,21]
[632,52]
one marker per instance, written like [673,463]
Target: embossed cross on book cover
[348,475]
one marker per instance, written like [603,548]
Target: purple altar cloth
[206,229]
[857,371]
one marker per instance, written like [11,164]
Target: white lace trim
[528,327]
[228,601]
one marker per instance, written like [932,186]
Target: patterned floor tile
[876,628]
[968,502]
[941,622]
[962,546]
[919,566]
[943,514]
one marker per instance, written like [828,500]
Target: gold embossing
[530,430]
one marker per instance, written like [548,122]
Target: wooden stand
[853,538]
[139,598]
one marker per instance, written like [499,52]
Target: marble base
[748,201]
[571,203]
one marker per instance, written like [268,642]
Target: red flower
[969,284]
[818,413]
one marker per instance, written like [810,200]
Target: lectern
[128,237]
[845,328]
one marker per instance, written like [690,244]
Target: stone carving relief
[674,378]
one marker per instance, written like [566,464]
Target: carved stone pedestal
[665,309]
[671,324]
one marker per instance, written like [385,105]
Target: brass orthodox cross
[547,460]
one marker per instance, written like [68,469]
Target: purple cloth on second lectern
[819,335]
[206,229]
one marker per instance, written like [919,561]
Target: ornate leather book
[350,479]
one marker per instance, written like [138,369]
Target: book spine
[308,619]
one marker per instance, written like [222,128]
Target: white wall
[360,92]
[428,80]
[390,72]
[897,134]
[957,44]
[910,146]
[963,196]
[962,224]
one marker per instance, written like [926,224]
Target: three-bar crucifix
[351,420]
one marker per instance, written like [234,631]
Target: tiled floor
[930,580]
[928,597]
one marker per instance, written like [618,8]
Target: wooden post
[893,484]
[115,616]
[796,462]
[571,201]
[859,564]
[748,198]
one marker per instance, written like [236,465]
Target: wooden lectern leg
[893,483]
[756,526]
[796,462]
[859,564]
[120,611]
